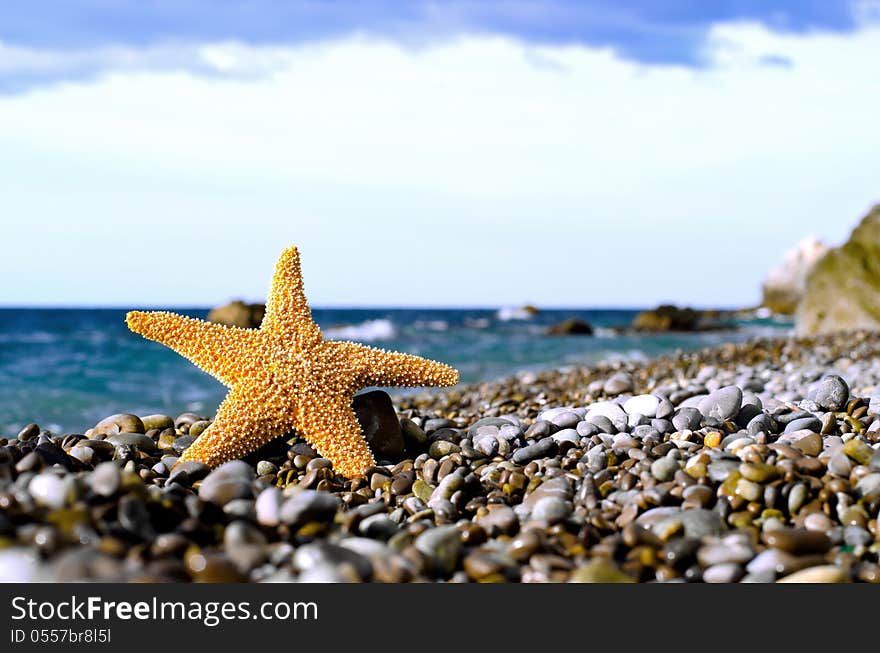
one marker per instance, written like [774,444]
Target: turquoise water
[67,368]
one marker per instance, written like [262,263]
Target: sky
[461,153]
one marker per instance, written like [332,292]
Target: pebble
[813,424]
[550,509]
[798,541]
[120,423]
[229,481]
[597,571]
[818,574]
[832,393]
[727,572]
[308,506]
[646,405]
[859,450]
[618,384]
[268,507]
[687,418]
[106,479]
[723,403]
[663,469]
[137,441]
[498,519]
[540,449]
[442,546]
[50,490]
[325,562]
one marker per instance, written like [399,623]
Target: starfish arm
[219,350]
[243,424]
[287,311]
[391,368]
[332,428]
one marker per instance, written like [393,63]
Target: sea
[67,368]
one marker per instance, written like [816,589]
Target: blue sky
[430,153]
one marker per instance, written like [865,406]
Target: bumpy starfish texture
[285,376]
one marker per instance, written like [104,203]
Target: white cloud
[598,163]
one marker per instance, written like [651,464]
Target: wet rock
[238,313]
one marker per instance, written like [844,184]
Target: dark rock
[673,318]
[541,449]
[570,327]
[238,313]
[380,424]
[29,432]
[308,506]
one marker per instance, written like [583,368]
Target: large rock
[380,424]
[674,318]
[238,313]
[570,327]
[785,284]
[843,290]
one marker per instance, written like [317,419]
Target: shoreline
[744,465]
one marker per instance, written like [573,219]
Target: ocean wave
[34,337]
[431,325]
[365,331]
[605,332]
[477,322]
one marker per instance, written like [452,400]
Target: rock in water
[570,327]
[843,290]
[238,313]
[378,419]
[785,284]
[674,318]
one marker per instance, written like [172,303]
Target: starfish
[284,376]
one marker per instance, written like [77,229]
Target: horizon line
[387,307]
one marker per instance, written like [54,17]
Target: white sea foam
[507,313]
[477,323]
[365,331]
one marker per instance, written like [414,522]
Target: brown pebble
[798,541]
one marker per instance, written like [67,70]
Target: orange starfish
[285,376]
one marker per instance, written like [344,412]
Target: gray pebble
[811,423]
[832,393]
[541,449]
[723,403]
[308,506]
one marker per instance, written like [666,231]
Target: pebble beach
[747,462]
